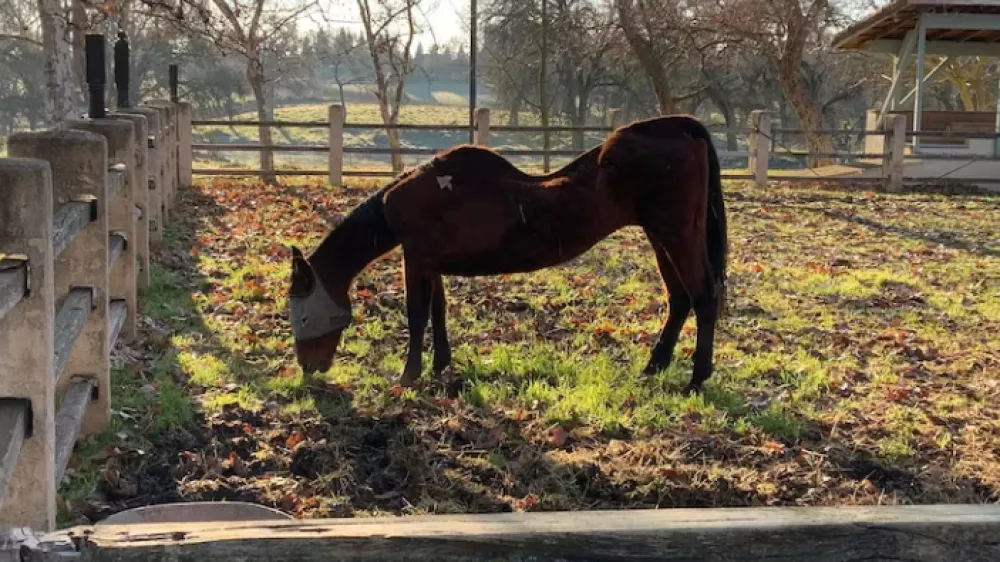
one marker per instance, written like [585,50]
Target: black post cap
[122,70]
[94,50]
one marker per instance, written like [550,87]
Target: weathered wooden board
[70,319]
[117,311]
[67,222]
[116,245]
[13,421]
[970,533]
[68,418]
[116,180]
[13,280]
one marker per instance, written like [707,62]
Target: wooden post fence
[760,146]
[482,136]
[335,162]
[74,233]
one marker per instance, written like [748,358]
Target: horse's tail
[716,237]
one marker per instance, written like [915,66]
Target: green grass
[860,326]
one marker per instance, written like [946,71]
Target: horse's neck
[360,239]
[582,170]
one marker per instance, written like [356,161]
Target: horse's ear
[299,264]
[302,278]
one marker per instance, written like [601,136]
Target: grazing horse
[470,212]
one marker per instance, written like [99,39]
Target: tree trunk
[255,76]
[651,65]
[60,82]
[392,135]
[78,24]
[722,104]
[515,112]
[809,114]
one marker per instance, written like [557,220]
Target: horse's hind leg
[706,309]
[419,293]
[682,295]
[442,349]
[680,307]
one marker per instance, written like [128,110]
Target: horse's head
[317,319]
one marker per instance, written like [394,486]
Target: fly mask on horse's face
[313,312]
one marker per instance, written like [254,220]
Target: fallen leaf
[558,436]
[773,447]
[294,439]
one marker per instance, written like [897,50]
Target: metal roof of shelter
[953,27]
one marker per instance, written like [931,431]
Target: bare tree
[657,32]
[390,26]
[249,29]
[785,31]
[62,93]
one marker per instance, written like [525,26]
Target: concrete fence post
[483,126]
[760,146]
[167,144]
[141,195]
[184,154]
[120,135]
[154,172]
[79,164]
[335,163]
[893,152]
[27,341]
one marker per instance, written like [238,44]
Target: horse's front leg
[419,293]
[442,349]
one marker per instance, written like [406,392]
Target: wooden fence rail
[884,149]
[80,208]
[934,533]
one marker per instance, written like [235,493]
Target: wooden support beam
[940,66]
[918,99]
[905,49]
[929,533]
[981,22]
[934,47]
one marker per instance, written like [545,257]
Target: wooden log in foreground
[914,533]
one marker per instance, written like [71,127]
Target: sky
[440,20]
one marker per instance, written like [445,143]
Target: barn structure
[914,31]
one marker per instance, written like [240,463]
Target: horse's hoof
[690,389]
[651,370]
[407,380]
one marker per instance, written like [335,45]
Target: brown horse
[470,212]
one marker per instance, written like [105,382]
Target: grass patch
[860,327]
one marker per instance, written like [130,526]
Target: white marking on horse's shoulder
[444,182]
